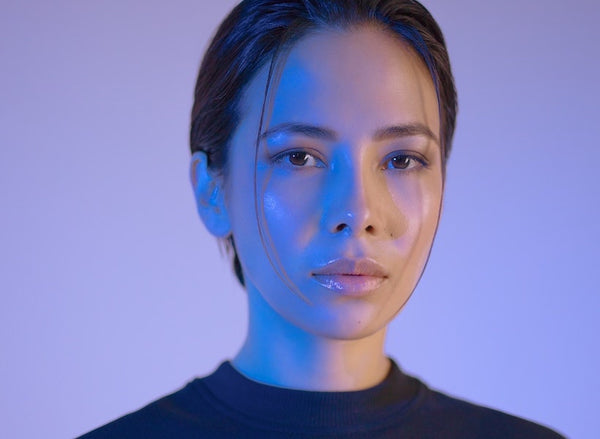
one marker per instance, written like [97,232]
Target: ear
[210,200]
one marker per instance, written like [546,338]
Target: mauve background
[113,294]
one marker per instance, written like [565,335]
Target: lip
[353,277]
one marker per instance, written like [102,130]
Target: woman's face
[349,183]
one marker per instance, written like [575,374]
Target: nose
[351,205]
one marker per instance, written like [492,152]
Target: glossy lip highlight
[352,277]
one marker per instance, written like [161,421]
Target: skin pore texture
[349,183]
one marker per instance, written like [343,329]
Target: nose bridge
[350,204]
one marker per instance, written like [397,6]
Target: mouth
[351,277]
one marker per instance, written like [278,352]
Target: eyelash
[281,158]
[415,160]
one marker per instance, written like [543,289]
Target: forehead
[353,81]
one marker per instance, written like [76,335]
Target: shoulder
[179,414]
[437,412]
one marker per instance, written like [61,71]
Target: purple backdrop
[113,294]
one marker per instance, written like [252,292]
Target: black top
[226,404]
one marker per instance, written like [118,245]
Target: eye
[404,162]
[298,158]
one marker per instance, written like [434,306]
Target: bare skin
[349,183]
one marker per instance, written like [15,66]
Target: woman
[320,135]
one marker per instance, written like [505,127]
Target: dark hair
[252,34]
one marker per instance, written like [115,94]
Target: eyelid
[417,157]
[278,157]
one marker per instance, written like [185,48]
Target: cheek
[417,202]
[292,210]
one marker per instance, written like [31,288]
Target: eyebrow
[386,133]
[299,128]
[411,129]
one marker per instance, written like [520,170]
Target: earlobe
[208,192]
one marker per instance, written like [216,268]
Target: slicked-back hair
[253,33]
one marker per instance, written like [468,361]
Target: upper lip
[352,267]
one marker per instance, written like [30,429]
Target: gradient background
[113,294]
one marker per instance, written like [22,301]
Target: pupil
[298,158]
[401,162]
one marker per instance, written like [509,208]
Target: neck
[278,353]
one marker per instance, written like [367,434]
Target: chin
[354,322]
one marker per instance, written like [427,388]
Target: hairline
[277,60]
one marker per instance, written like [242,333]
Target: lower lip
[350,285]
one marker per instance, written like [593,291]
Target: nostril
[343,226]
[340,227]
